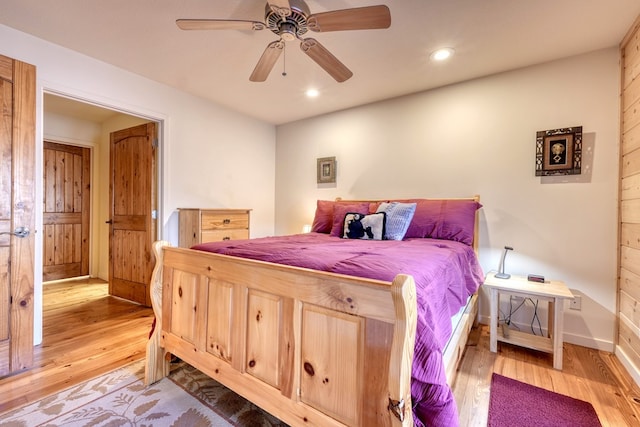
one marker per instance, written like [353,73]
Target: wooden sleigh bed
[313,348]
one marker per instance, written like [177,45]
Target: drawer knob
[226,221]
[226,238]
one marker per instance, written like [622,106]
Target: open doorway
[75,124]
[85,330]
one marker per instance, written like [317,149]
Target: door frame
[109,104]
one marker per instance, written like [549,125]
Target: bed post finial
[403,292]
[156,365]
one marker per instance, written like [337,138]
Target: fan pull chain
[284,60]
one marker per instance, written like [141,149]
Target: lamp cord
[512,311]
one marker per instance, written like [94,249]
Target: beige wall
[478,138]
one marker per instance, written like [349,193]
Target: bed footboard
[157,362]
[311,348]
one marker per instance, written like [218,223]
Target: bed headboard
[464,213]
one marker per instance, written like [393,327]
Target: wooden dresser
[212,225]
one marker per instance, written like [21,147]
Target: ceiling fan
[290,20]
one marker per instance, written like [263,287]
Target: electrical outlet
[576,303]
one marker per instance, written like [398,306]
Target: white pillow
[399,217]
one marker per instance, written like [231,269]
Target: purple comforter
[445,273]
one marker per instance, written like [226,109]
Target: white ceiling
[80,110]
[489,36]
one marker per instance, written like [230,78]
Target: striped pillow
[399,217]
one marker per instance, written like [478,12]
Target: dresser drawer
[218,235]
[224,220]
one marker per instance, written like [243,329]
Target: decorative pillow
[367,227]
[323,220]
[444,219]
[399,217]
[340,210]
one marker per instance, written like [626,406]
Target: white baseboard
[589,342]
[581,340]
[628,364]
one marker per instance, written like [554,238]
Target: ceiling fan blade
[360,18]
[267,61]
[218,24]
[281,7]
[326,60]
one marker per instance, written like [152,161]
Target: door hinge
[154,214]
[11,299]
[154,142]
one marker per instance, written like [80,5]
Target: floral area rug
[186,398]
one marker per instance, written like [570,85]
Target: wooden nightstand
[553,291]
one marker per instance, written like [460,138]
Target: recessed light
[442,54]
[312,93]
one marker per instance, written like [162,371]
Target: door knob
[109,221]
[18,232]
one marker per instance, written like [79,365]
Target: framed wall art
[559,151]
[326,170]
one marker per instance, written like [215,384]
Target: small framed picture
[559,151]
[326,170]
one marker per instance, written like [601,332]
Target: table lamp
[501,274]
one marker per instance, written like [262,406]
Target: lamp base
[502,276]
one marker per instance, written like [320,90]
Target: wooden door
[133,207]
[67,186]
[17,196]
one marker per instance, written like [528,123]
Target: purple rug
[513,403]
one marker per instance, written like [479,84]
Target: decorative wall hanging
[326,170]
[559,151]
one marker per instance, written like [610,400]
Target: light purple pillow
[399,217]
[444,219]
[340,210]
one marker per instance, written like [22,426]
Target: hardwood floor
[591,375]
[86,333]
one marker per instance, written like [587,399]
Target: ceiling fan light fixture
[288,27]
[288,31]
[442,54]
